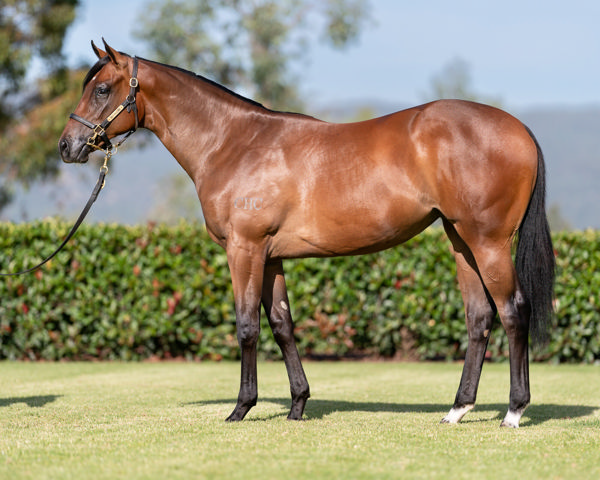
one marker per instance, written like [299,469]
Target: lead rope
[99,186]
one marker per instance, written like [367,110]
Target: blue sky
[527,53]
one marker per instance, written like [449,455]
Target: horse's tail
[535,256]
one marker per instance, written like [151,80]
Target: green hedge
[119,292]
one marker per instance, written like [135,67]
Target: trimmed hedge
[120,292]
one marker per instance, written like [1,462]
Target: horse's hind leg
[501,281]
[514,313]
[479,314]
[277,307]
[497,271]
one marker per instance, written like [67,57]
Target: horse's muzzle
[72,151]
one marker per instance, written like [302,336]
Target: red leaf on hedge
[171,305]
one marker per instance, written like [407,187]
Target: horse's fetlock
[300,393]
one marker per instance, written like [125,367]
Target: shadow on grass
[318,409]
[33,402]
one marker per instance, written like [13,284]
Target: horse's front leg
[247,269]
[277,307]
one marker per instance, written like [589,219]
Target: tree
[248,45]
[454,81]
[28,116]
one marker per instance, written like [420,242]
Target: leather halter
[99,129]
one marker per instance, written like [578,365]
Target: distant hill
[142,184]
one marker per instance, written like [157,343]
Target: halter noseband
[99,129]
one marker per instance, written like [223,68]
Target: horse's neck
[194,118]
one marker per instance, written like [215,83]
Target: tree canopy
[28,114]
[249,45]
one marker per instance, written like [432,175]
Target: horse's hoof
[512,419]
[456,414]
[237,415]
[293,418]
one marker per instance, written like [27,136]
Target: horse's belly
[351,231]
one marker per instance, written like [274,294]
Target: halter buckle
[98,132]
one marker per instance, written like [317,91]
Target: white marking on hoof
[456,414]
[512,419]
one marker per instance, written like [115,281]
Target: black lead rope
[82,215]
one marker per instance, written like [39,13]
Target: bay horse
[277,185]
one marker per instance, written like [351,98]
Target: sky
[526,53]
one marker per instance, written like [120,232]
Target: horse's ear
[115,57]
[99,53]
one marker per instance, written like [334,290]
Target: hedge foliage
[120,292]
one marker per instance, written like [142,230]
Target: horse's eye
[102,91]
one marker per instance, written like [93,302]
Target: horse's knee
[248,332]
[480,318]
[281,323]
[282,328]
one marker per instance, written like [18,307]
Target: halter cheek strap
[99,129]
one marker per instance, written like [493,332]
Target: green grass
[365,420]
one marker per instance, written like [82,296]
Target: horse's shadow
[33,402]
[318,409]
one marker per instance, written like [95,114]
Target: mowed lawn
[364,420]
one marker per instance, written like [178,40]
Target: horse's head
[107,108]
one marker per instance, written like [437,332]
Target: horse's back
[366,186]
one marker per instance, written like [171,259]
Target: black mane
[209,81]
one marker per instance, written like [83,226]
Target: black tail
[535,257]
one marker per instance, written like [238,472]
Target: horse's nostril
[63,147]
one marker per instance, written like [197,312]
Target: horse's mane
[223,88]
[209,81]
[104,60]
